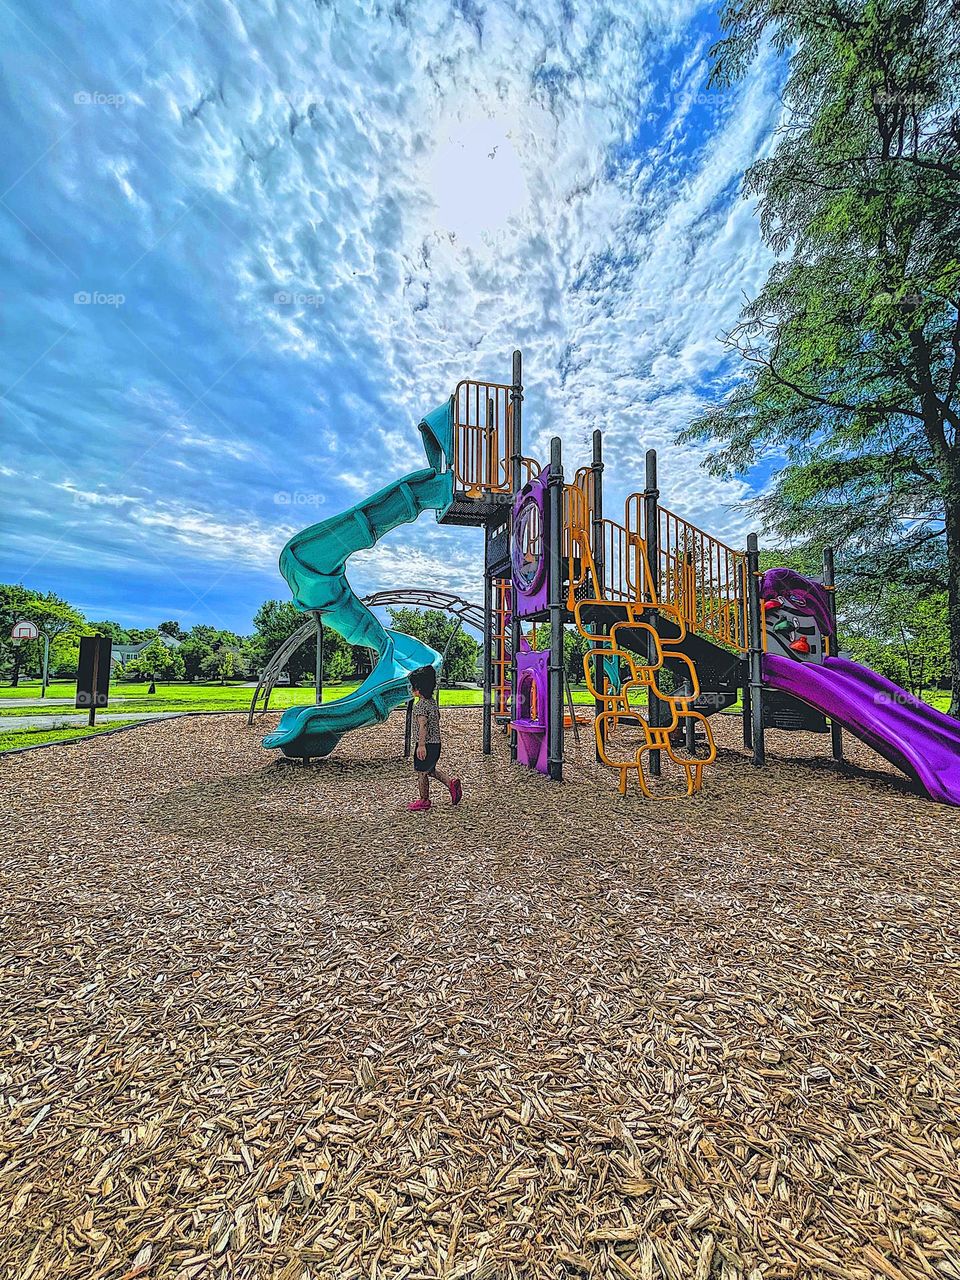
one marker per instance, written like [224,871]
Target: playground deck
[550,1033]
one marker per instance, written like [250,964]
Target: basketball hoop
[24,630]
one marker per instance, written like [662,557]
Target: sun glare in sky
[476,179]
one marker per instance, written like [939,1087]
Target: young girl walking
[426,733]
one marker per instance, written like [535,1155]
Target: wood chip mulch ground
[261,1022]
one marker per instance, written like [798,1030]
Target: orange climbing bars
[623,579]
[483,439]
[620,712]
[700,576]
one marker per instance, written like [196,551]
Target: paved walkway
[36,702]
[8,724]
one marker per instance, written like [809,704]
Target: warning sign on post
[93,673]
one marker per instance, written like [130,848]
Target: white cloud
[432,186]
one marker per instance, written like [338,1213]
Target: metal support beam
[554,533]
[651,534]
[745,703]
[318,674]
[516,437]
[755,632]
[596,537]
[487,653]
[829,581]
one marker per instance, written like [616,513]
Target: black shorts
[429,763]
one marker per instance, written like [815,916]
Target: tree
[221,663]
[275,621]
[53,616]
[851,352]
[196,648]
[575,646]
[171,629]
[339,668]
[338,657]
[157,660]
[899,634]
[112,630]
[435,628]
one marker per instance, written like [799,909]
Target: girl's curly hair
[424,681]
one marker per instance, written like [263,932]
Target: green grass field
[208,697]
[40,737]
[128,696]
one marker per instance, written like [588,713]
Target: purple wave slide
[916,738]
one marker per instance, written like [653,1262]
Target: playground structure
[679,624]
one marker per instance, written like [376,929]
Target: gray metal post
[487,652]
[555,597]
[94,681]
[318,674]
[516,453]
[755,626]
[596,468]
[745,701]
[829,581]
[516,404]
[651,533]
[746,712]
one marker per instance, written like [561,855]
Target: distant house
[121,654]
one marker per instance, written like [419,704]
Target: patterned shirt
[426,709]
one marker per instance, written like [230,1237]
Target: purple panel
[530,575]
[532,730]
[800,594]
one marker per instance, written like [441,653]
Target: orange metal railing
[702,578]
[483,440]
[622,575]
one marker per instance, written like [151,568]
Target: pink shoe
[456,791]
[419,806]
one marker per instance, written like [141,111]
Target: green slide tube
[313,562]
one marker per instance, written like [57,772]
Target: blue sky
[296,227]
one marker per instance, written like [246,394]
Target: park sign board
[93,673]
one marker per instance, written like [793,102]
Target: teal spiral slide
[314,562]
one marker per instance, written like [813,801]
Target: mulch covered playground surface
[261,1022]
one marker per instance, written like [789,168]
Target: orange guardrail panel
[702,577]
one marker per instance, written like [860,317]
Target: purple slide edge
[914,737]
